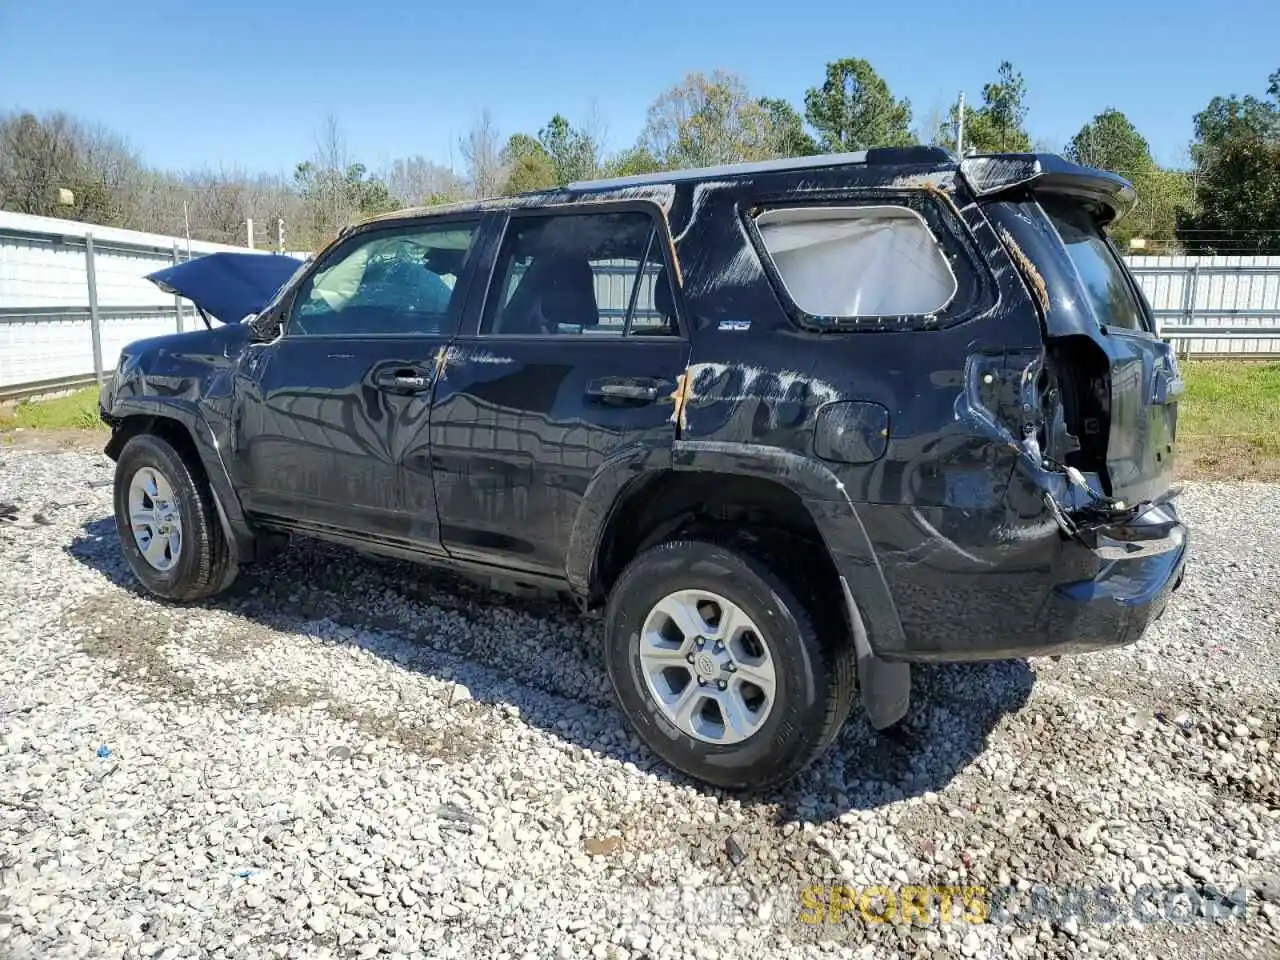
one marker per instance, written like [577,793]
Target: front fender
[187,413]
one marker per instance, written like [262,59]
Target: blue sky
[235,83]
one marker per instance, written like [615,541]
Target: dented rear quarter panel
[933,545]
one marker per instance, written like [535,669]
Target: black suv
[794,424]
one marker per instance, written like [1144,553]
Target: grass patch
[75,411]
[1229,420]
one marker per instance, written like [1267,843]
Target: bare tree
[417,181]
[595,127]
[706,120]
[38,156]
[934,126]
[330,162]
[480,151]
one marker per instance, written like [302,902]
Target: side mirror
[264,326]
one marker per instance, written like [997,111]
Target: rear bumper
[1114,608]
[954,598]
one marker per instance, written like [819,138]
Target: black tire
[205,564]
[816,669]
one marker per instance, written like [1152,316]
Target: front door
[573,362]
[330,412]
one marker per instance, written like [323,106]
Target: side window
[583,275]
[858,261]
[389,282]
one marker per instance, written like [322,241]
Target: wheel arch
[187,431]
[799,495]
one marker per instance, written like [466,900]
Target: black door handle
[403,380]
[625,389]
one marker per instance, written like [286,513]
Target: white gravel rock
[345,757]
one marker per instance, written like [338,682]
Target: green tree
[528,165]
[854,109]
[1110,141]
[787,135]
[1228,117]
[630,163]
[336,197]
[1237,176]
[1238,204]
[999,125]
[572,151]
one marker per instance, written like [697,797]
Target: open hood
[228,286]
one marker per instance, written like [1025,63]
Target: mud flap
[883,685]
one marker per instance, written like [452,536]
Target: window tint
[871,261]
[584,275]
[391,282]
[1101,271]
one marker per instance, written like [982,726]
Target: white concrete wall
[1217,288]
[47,269]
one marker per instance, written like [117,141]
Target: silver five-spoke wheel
[155,518]
[707,666]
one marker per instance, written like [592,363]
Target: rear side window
[857,261]
[1102,274]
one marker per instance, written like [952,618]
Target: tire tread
[216,567]
[833,646]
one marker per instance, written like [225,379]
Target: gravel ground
[348,757]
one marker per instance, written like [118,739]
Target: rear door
[572,363]
[1119,382]
[330,412]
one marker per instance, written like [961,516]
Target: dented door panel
[745,387]
[321,436]
[521,428]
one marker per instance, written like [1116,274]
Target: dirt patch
[138,641]
[76,440]
[1226,458]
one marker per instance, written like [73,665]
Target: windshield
[1103,274]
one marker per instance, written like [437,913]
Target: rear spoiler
[995,174]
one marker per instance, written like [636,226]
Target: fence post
[1189,306]
[177,300]
[95,322]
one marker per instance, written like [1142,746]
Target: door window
[581,275]
[389,282]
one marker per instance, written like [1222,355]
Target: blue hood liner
[228,286]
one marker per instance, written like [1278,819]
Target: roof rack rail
[874,156]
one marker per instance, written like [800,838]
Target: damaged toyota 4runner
[793,425]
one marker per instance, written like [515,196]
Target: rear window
[1101,271]
[851,262]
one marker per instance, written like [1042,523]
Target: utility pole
[249,227]
[960,128]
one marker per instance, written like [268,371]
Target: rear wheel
[168,524]
[720,669]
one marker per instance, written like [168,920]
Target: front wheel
[168,525]
[720,669]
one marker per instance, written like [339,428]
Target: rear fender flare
[833,512]
[872,617]
[632,464]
